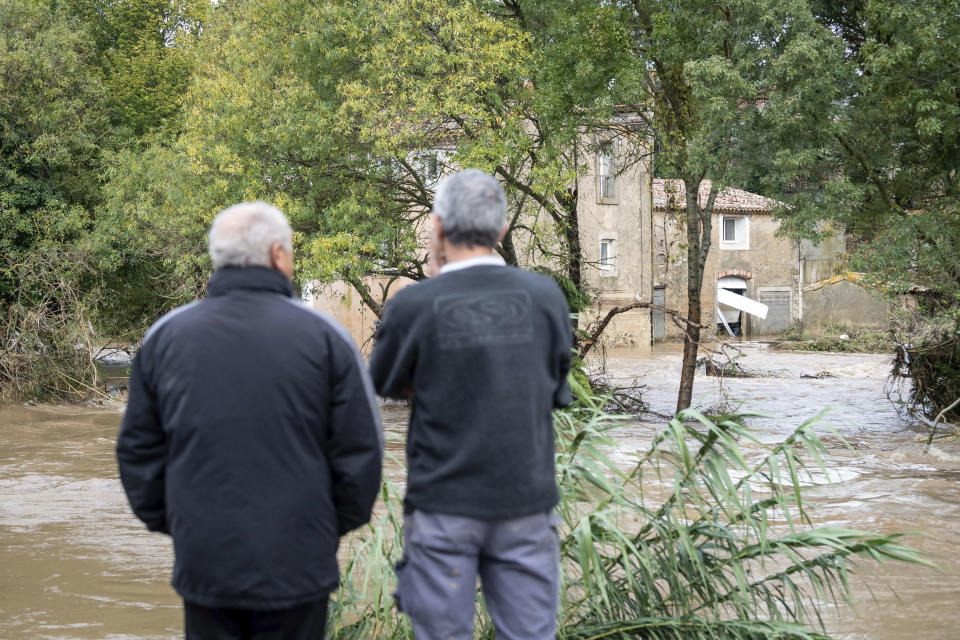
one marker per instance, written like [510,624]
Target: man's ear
[275,258]
[438,227]
[503,233]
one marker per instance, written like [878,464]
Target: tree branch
[587,344]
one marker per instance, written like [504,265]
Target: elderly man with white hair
[482,351]
[252,438]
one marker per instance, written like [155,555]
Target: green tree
[727,84]
[70,98]
[52,132]
[53,138]
[898,147]
[145,50]
[891,176]
[345,114]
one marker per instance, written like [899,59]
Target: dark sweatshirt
[484,353]
[252,437]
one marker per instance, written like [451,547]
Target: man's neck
[454,253]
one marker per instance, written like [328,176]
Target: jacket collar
[227,279]
[492,259]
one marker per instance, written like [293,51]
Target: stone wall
[841,304]
[624,220]
[844,304]
[768,265]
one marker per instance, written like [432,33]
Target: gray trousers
[516,560]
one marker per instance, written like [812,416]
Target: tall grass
[706,535]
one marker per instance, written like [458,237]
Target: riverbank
[835,340]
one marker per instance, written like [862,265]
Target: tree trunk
[364,291]
[698,244]
[568,200]
[691,340]
[508,251]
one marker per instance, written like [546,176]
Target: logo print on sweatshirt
[482,318]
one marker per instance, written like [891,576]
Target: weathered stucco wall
[823,259]
[626,221]
[843,304]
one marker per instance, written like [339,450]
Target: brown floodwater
[76,564]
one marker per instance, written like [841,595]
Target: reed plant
[706,534]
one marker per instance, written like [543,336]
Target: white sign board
[731,299]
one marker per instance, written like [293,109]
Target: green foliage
[707,535]
[701,539]
[52,132]
[344,115]
[144,49]
[888,166]
[80,80]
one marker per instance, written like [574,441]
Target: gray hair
[241,235]
[472,206]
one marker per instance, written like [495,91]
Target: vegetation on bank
[706,534]
[927,358]
[839,339]
[83,83]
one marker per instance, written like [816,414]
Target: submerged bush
[696,540]
[46,331]
[928,356]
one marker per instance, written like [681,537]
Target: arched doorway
[733,318]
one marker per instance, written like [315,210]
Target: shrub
[696,540]
[928,357]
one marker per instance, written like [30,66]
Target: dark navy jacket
[252,437]
[484,353]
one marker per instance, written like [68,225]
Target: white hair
[472,206]
[241,235]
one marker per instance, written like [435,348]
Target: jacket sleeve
[394,354]
[142,451]
[562,397]
[354,440]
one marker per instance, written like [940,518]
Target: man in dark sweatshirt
[482,351]
[252,438]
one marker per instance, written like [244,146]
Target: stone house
[801,282]
[632,235]
[745,257]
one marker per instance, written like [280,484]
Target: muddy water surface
[75,564]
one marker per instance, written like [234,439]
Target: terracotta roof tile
[728,200]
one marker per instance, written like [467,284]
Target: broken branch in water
[594,334]
[933,425]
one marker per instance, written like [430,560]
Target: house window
[606,174]
[608,256]
[433,167]
[428,165]
[734,232]
[729,229]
